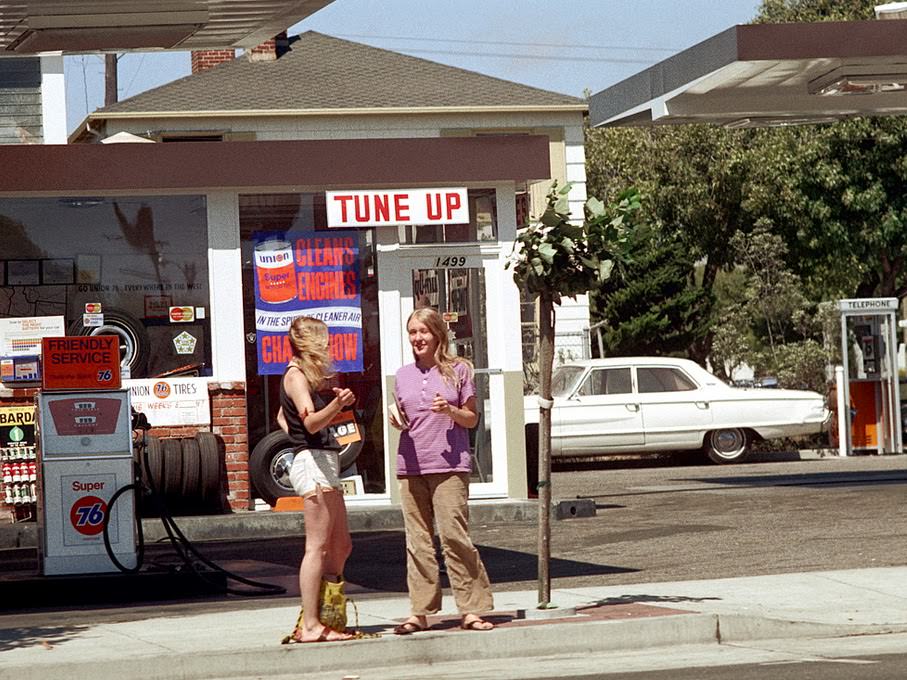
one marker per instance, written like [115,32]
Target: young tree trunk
[546,364]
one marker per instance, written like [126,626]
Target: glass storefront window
[482,225]
[279,215]
[133,256]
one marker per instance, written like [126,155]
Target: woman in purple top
[435,397]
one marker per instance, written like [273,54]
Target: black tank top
[298,434]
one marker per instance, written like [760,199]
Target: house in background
[32,100]
[316,87]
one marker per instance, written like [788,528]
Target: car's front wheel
[727,446]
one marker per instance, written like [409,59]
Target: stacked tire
[184,473]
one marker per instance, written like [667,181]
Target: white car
[647,404]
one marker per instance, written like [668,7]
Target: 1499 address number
[452,261]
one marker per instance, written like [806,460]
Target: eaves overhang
[78,26]
[767,75]
[62,169]
[98,118]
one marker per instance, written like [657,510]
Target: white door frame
[395,302]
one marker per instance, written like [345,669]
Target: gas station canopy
[768,75]
[33,26]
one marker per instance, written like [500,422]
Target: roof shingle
[320,72]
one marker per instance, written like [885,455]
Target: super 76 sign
[397,206]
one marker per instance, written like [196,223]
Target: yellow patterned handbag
[333,605]
[332,612]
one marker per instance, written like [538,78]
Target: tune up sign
[397,206]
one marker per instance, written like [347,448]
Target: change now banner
[307,274]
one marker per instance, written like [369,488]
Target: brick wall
[228,422]
[269,50]
[202,60]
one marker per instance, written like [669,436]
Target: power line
[537,57]
[511,43]
[84,83]
[134,75]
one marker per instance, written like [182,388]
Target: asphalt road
[889,667]
[661,522]
[655,521]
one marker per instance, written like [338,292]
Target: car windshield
[564,380]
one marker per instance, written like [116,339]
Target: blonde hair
[443,358]
[309,340]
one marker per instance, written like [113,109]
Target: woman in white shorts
[305,414]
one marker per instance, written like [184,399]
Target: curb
[434,647]
[428,648]
[247,525]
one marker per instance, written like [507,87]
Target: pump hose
[180,543]
[140,549]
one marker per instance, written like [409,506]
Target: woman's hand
[394,422]
[345,397]
[440,405]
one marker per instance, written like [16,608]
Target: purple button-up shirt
[434,442]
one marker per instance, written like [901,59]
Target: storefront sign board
[22,336]
[171,401]
[90,362]
[397,206]
[307,274]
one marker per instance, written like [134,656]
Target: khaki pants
[441,498]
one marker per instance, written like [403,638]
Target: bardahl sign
[90,362]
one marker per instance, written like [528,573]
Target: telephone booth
[870,395]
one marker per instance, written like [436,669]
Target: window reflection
[133,257]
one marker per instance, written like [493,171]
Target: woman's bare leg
[340,545]
[318,525]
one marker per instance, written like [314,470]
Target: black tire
[209,468]
[270,461]
[349,454]
[135,347]
[173,468]
[269,467]
[191,469]
[532,459]
[153,475]
[727,446]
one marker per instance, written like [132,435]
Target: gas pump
[84,424]
[870,395]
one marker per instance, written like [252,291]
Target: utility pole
[110,79]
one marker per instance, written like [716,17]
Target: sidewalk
[245,643]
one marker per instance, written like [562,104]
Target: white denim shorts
[313,468]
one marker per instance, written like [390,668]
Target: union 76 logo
[87,515]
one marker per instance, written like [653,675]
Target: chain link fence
[568,346]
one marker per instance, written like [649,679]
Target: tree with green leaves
[652,305]
[781,11]
[837,198]
[695,178]
[552,260]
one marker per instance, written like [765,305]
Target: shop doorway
[459,295]
[459,287]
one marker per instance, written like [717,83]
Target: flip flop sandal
[478,624]
[408,628]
